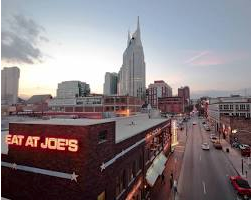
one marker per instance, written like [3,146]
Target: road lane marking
[200,157]
[204,187]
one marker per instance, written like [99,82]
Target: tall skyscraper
[111,82]
[72,89]
[132,74]
[9,85]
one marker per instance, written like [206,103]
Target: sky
[203,44]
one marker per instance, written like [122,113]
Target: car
[235,144]
[206,127]
[212,135]
[244,146]
[194,123]
[214,139]
[217,145]
[241,186]
[205,146]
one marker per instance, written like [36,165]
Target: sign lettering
[51,143]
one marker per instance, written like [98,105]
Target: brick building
[236,128]
[184,92]
[157,90]
[84,159]
[174,105]
[116,104]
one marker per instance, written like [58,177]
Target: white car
[212,135]
[194,123]
[243,146]
[205,146]
[214,139]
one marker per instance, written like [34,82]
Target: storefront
[83,158]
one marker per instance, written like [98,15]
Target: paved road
[204,174]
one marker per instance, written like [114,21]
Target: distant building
[232,106]
[9,85]
[111,82]
[123,105]
[173,105]
[38,103]
[157,90]
[132,75]
[184,92]
[71,89]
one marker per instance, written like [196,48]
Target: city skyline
[201,45]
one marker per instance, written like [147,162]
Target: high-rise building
[71,89]
[131,78]
[9,85]
[157,90]
[185,93]
[111,82]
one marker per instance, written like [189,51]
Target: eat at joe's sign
[51,143]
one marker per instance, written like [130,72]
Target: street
[204,174]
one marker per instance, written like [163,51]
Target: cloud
[20,40]
[209,58]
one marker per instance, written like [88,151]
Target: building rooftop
[126,127]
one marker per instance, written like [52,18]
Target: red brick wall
[86,163]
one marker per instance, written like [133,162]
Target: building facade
[111,83]
[157,90]
[72,89]
[9,85]
[123,105]
[232,106]
[173,105]
[132,75]
[184,92]
[85,159]
[236,128]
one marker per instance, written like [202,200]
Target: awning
[156,169]
[151,176]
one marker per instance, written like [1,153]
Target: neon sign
[50,143]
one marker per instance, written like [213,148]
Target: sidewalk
[174,163]
[234,156]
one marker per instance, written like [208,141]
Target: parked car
[206,127]
[241,186]
[243,146]
[214,139]
[217,145]
[245,152]
[212,135]
[205,146]
[235,144]
[194,123]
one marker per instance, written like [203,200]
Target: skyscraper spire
[138,28]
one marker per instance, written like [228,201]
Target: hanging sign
[51,143]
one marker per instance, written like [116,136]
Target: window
[130,174]
[120,182]
[247,106]
[237,107]
[226,107]
[242,107]
[140,162]
[134,169]
[231,106]
[102,136]
[220,106]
